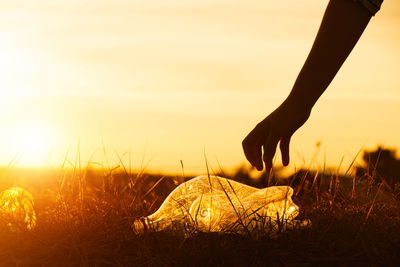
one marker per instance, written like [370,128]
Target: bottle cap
[140,226]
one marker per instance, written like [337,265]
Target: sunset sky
[171,80]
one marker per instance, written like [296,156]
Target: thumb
[284,146]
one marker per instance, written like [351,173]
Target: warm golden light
[149,71]
[34,144]
[17,67]
[217,204]
[17,61]
[16,208]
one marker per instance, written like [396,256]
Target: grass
[84,218]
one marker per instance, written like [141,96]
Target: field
[84,218]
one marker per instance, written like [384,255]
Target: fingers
[252,146]
[269,151]
[258,157]
[263,137]
[252,150]
[284,146]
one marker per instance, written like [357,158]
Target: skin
[342,26]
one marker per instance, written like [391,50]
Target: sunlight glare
[34,145]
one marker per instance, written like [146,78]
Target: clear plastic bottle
[16,207]
[216,204]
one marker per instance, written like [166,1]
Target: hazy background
[169,79]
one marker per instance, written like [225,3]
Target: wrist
[300,104]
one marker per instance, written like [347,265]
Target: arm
[342,25]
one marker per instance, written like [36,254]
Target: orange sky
[170,79]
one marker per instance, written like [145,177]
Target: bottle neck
[140,226]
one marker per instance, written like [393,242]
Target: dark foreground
[84,219]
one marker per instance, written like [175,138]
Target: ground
[84,218]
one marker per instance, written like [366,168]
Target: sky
[158,82]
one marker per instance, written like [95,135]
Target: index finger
[252,151]
[269,151]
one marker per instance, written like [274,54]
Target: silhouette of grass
[84,217]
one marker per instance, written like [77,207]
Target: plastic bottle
[216,204]
[16,208]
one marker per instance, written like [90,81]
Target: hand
[278,126]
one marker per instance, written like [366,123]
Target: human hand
[279,126]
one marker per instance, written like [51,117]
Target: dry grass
[84,218]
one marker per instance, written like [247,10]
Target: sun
[34,144]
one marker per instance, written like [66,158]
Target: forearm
[342,25]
